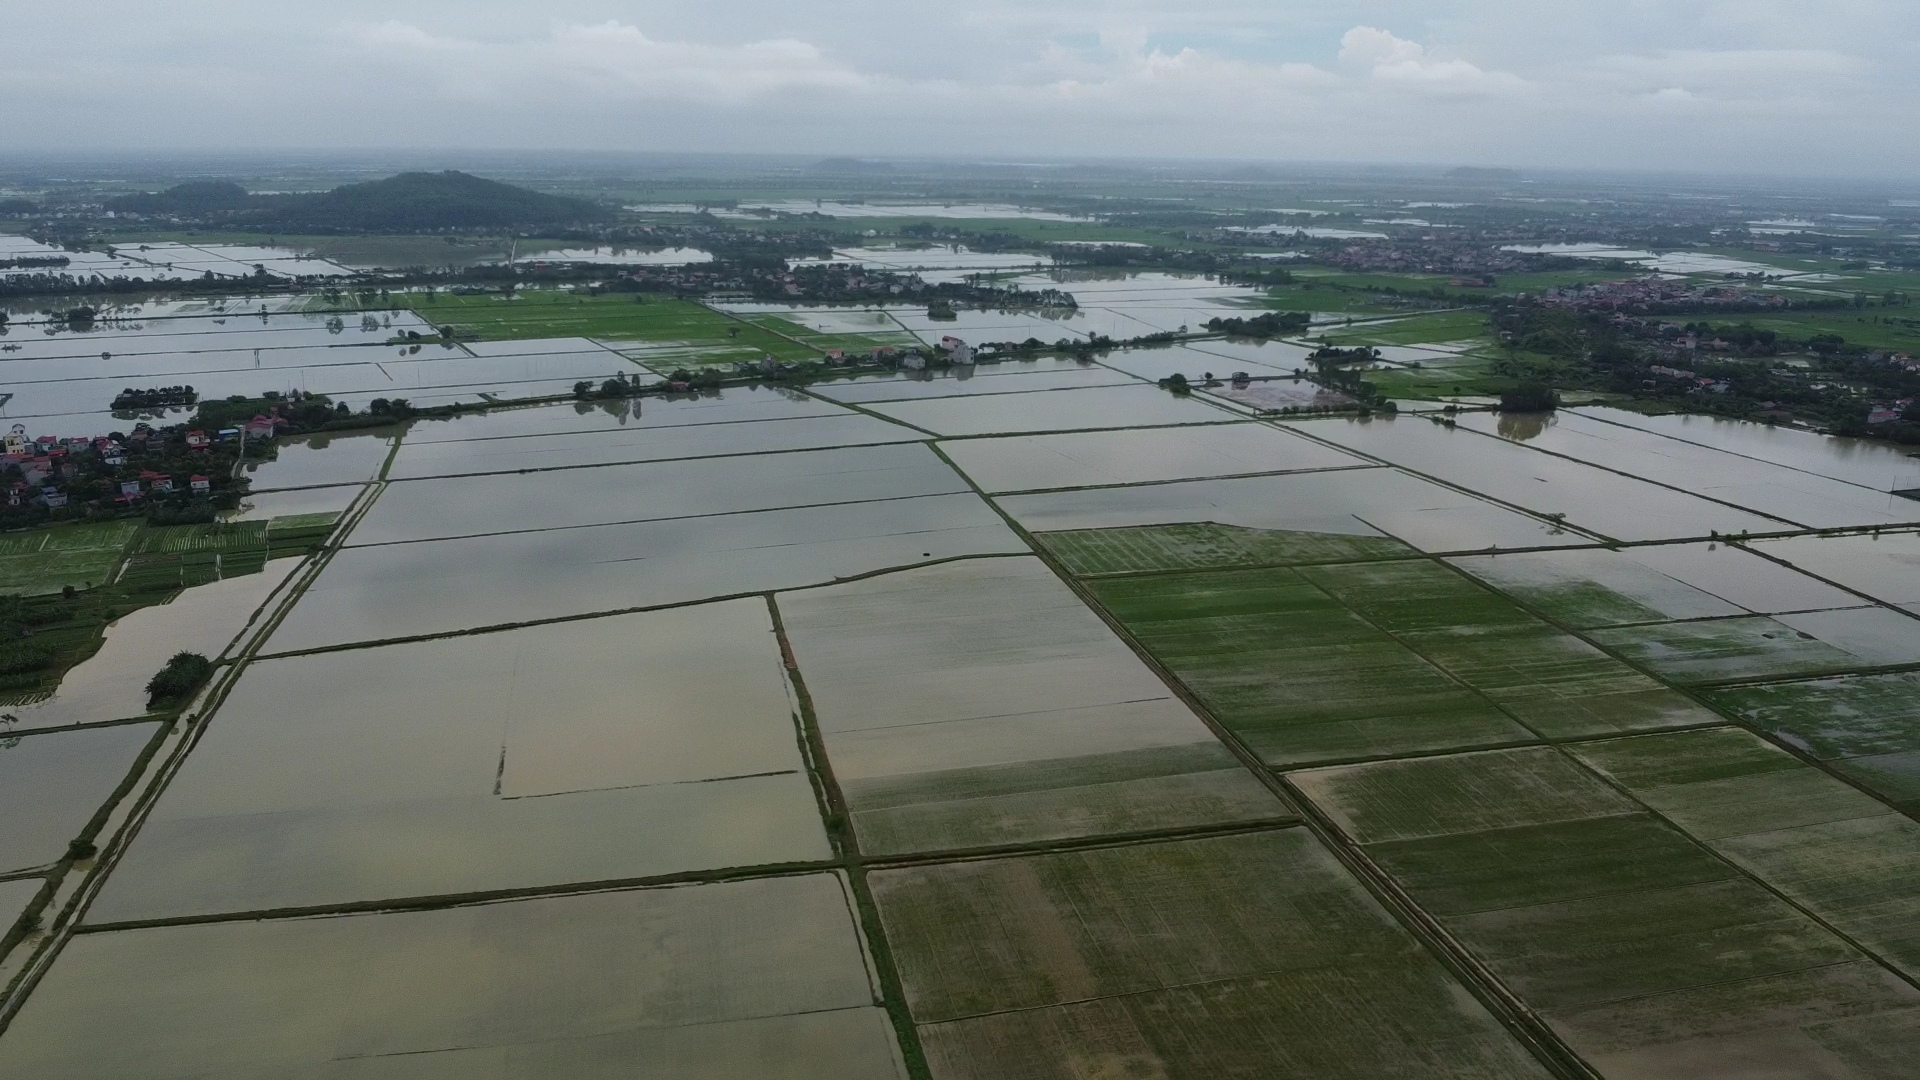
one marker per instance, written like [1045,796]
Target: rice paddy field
[1025,722]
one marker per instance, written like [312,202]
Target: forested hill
[409,202]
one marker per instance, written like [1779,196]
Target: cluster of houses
[1886,412]
[1655,294]
[1701,383]
[46,464]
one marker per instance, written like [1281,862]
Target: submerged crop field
[1026,719]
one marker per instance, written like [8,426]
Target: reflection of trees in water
[1521,427]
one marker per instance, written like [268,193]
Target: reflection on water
[1521,427]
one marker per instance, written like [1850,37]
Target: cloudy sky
[1775,86]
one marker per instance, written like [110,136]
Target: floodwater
[322,460]
[615,256]
[294,502]
[1081,459]
[111,684]
[1613,505]
[1857,461]
[941,691]
[1885,566]
[1363,502]
[963,382]
[1680,581]
[736,404]
[411,510]
[1671,262]
[622,747]
[640,444]
[1799,497]
[762,979]
[52,783]
[401,590]
[1053,410]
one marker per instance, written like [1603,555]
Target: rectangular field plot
[1868,726]
[1378,503]
[733,405]
[629,445]
[52,784]
[981,703]
[473,505]
[1648,954]
[1616,506]
[1053,410]
[44,560]
[403,590]
[1083,459]
[584,751]
[1247,956]
[1841,854]
[1804,498]
[1123,550]
[1752,647]
[1884,566]
[1600,587]
[1298,676]
[918,386]
[741,979]
[321,460]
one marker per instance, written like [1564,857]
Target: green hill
[409,202]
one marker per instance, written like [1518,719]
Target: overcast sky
[1775,86]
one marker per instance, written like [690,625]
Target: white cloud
[1621,83]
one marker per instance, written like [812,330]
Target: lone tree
[176,682]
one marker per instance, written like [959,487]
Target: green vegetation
[1294,673]
[1530,397]
[1439,327]
[1718,650]
[1867,727]
[1630,938]
[1177,959]
[689,332]
[1840,853]
[185,673]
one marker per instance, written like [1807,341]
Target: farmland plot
[1866,726]
[51,784]
[1846,857]
[1251,955]
[1646,952]
[711,982]
[1296,674]
[1148,455]
[569,753]
[1549,680]
[981,703]
[1782,646]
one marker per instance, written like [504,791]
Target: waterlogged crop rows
[1844,856]
[1551,681]
[1296,674]
[981,703]
[1646,952]
[1251,955]
[1866,727]
[1204,546]
[742,979]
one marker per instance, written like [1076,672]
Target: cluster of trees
[154,397]
[1271,324]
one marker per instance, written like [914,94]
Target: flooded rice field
[963,724]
